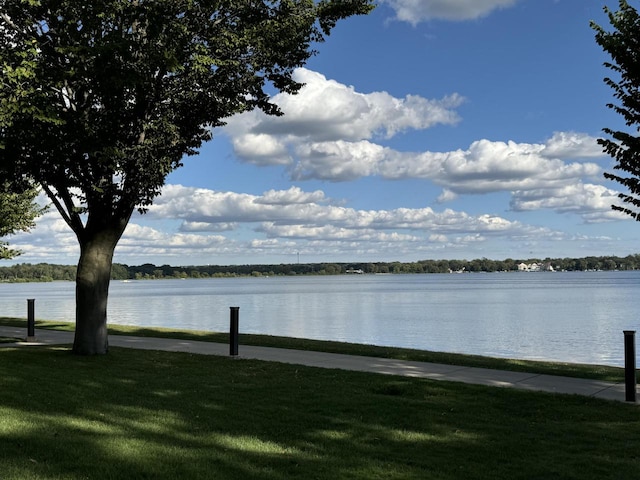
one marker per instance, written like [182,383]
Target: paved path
[432,371]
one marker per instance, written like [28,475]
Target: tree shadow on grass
[135,414]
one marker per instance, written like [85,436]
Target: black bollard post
[31,319]
[630,365]
[233,331]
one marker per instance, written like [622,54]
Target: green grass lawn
[144,414]
[10,339]
[598,372]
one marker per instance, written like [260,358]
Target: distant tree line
[44,272]
[41,272]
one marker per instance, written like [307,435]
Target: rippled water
[568,316]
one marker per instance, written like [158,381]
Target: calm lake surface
[561,316]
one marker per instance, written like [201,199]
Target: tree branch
[9,22]
[67,210]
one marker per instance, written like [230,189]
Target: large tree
[106,97]
[623,46]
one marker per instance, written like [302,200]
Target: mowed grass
[159,415]
[597,372]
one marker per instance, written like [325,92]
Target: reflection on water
[576,317]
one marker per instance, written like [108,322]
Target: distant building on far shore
[535,267]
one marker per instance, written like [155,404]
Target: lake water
[561,316]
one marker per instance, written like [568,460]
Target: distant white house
[528,267]
[535,267]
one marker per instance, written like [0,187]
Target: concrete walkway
[432,371]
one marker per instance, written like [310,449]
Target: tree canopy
[18,212]
[623,46]
[107,97]
[101,100]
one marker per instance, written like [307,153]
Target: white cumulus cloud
[281,223]
[415,11]
[328,111]
[314,219]
[485,167]
[293,195]
[330,132]
[572,145]
[592,202]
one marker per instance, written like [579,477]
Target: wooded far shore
[45,272]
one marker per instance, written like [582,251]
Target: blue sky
[428,129]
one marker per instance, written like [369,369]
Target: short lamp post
[630,365]
[233,330]
[31,319]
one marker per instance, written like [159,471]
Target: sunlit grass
[146,414]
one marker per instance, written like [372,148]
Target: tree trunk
[92,291]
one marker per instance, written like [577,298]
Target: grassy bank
[140,414]
[598,372]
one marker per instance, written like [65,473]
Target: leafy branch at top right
[623,46]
